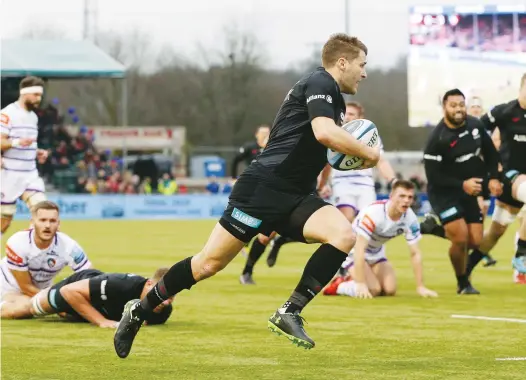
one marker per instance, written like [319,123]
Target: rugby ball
[363,130]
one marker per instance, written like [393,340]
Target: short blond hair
[358,106]
[341,45]
[159,273]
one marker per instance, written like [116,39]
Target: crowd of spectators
[494,33]
[94,171]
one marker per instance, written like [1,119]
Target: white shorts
[370,258]
[352,195]
[14,184]
[8,283]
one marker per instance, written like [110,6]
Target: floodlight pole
[347,20]
[124,118]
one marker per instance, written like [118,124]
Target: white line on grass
[515,320]
[510,359]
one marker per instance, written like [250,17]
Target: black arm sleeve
[320,94]
[436,172]
[490,154]
[109,286]
[244,153]
[492,118]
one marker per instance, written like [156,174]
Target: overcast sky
[287,29]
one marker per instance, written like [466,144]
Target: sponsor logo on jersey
[51,262]
[520,138]
[13,257]
[466,157]
[414,228]
[516,119]
[78,255]
[314,97]
[431,157]
[449,212]
[4,120]
[245,218]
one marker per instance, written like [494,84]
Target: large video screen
[479,49]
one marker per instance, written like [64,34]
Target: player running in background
[99,298]
[19,131]
[277,193]
[35,257]
[457,157]
[248,152]
[367,263]
[510,118]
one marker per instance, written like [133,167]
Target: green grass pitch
[219,329]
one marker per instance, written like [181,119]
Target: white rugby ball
[363,130]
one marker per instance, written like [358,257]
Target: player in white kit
[371,274]
[353,190]
[34,258]
[19,131]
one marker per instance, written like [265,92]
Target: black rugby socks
[474,258]
[320,269]
[255,253]
[521,248]
[178,277]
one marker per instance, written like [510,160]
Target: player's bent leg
[256,251]
[475,233]
[6,222]
[328,226]
[458,235]
[385,274]
[313,221]
[373,284]
[7,211]
[222,246]
[33,197]
[349,212]
[15,306]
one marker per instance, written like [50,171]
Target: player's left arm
[412,237]
[492,162]
[323,181]
[384,166]
[77,295]
[77,259]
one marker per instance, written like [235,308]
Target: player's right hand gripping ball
[363,130]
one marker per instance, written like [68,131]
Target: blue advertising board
[149,207]
[134,207]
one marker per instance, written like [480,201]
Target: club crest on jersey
[475,134]
[51,262]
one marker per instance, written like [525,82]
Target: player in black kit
[97,297]
[277,193]
[510,118]
[455,169]
[248,152]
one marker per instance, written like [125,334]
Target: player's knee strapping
[34,198]
[502,216]
[521,192]
[37,308]
[8,210]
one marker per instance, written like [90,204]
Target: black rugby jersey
[453,155]
[293,154]
[510,118]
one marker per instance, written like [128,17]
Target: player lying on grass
[99,298]
[35,257]
[371,274]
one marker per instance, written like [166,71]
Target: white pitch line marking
[510,359]
[483,318]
